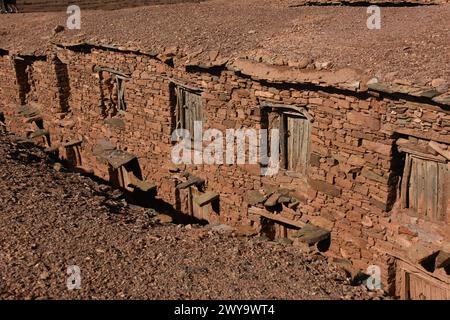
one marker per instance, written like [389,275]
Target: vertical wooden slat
[427,289]
[407,285]
[178,122]
[413,203]
[283,140]
[79,161]
[421,190]
[290,143]
[304,155]
[189,105]
[443,191]
[297,145]
[412,287]
[405,189]
[431,189]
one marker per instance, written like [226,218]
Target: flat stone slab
[311,234]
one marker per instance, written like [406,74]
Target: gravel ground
[52,219]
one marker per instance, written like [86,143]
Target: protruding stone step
[311,234]
[144,186]
[205,198]
[38,133]
[192,180]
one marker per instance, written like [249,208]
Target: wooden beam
[421,135]
[115,72]
[407,146]
[32,119]
[435,146]
[183,85]
[72,143]
[84,170]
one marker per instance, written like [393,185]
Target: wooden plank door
[427,188]
[298,133]
[192,105]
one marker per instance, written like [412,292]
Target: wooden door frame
[402,281]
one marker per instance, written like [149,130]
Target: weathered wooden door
[298,132]
[427,187]
[188,109]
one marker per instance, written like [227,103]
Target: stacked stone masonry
[353,183]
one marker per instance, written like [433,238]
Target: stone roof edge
[348,79]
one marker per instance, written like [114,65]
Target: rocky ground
[51,219]
[412,44]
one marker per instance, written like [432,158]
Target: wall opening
[23,66]
[294,125]
[63,82]
[112,91]
[188,107]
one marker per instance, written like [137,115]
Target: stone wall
[352,184]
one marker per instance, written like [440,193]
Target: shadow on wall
[23,66]
[61,5]
[62,77]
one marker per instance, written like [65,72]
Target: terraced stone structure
[366,113]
